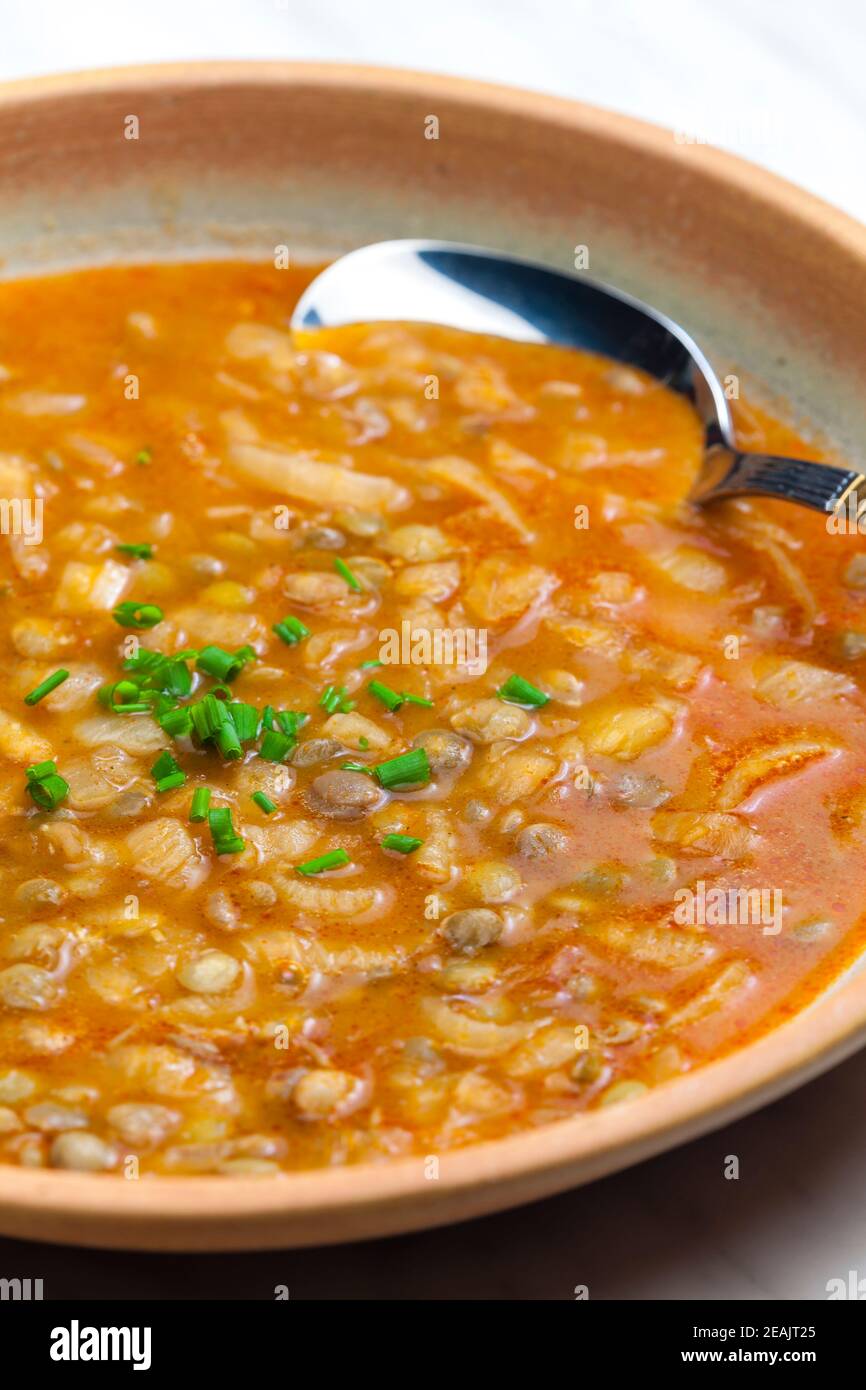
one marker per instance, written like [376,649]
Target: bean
[143,1126]
[9,1121]
[15,1086]
[446,751]
[54,1118]
[493,881]
[344,795]
[471,929]
[82,1151]
[42,892]
[316,750]
[28,987]
[212,972]
[540,841]
[323,1091]
[322,538]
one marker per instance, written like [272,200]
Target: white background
[783,84]
[780,81]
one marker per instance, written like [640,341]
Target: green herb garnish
[142,550]
[403,844]
[200,802]
[388,697]
[225,838]
[335,860]
[517,691]
[45,687]
[407,770]
[274,746]
[46,786]
[223,665]
[334,698]
[291,630]
[137,615]
[343,570]
[166,773]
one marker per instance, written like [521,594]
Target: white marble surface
[780,81]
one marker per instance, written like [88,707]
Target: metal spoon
[483,291]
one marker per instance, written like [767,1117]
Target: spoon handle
[729,473]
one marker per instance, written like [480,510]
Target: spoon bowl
[481,291]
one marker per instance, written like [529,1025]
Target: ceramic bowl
[237,158]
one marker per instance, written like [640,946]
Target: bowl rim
[557,1155]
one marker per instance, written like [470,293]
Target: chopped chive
[153,672]
[245,719]
[403,844]
[173,780]
[363,743]
[200,802]
[137,615]
[334,698]
[329,699]
[178,677]
[291,630]
[158,703]
[124,691]
[227,741]
[211,720]
[136,707]
[144,457]
[223,665]
[335,860]
[164,764]
[176,722]
[517,691]
[289,720]
[207,715]
[145,659]
[417,700]
[141,550]
[166,773]
[45,688]
[405,770]
[343,570]
[37,770]
[274,746]
[48,792]
[45,785]
[368,665]
[263,800]
[357,767]
[389,697]
[225,838]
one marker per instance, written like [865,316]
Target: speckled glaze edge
[235,157]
